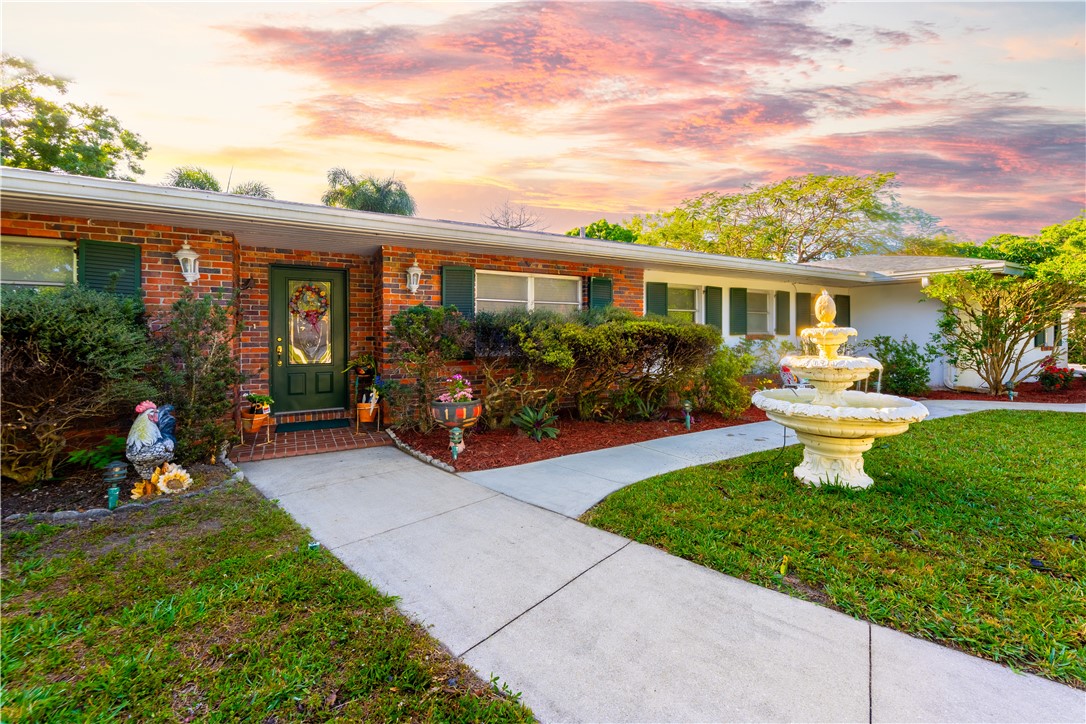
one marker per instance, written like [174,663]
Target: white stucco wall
[898,310]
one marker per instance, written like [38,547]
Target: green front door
[308,323]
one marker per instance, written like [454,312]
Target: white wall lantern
[190,263]
[925,282]
[414,276]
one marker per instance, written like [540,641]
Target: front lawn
[215,608]
[974,534]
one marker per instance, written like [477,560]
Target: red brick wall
[255,266]
[627,283]
[161,274]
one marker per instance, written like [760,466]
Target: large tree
[197,177]
[43,134]
[989,322]
[799,219]
[368,193]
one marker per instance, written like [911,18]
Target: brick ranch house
[84,229]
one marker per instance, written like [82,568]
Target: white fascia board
[998,266]
[208,208]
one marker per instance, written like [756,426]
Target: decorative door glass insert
[310,323]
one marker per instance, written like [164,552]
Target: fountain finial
[825,310]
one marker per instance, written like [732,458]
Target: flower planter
[456,414]
[252,422]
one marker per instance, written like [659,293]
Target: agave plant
[537,423]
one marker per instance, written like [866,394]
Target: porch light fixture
[190,263]
[925,282]
[414,276]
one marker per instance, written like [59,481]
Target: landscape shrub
[71,358]
[719,387]
[423,341]
[197,371]
[591,360]
[904,364]
[1053,377]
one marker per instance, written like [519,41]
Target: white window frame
[531,287]
[770,311]
[33,241]
[699,292]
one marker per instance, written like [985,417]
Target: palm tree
[197,177]
[257,189]
[370,193]
[192,177]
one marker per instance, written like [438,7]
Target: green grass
[938,547]
[214,609]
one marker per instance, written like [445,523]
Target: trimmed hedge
[593,360]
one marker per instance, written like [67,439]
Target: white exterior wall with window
[763,302]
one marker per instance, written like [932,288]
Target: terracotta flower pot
[252,422]
[456,414]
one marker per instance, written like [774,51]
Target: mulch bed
[1027,392]
[82,488]
[500,448]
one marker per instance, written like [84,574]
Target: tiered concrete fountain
[836,425]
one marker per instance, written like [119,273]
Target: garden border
[61,516]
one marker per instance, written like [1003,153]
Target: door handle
[279,355]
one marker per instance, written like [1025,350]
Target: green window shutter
[458,289]
[1057,335]
[600,293]
[714,307]
[656,298]
[784,312]
[737,310]
[844,310]
[803,310]
[1039,338]
[99,261]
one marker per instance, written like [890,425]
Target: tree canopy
[197,177]
[799,219]
[368,193]
[603,229]
[44,135]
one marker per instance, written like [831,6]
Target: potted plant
[456,406]
[258,413]
[366,400]
[365,370]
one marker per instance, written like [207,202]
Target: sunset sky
[592,109]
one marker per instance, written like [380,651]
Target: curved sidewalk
[593,627]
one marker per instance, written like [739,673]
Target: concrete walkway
[593,627]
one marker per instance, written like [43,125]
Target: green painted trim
[737,311]
[784,312]
[656,298]
[714,307]
[458,289]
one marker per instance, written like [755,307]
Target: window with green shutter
[737,310]
[844,310]
[600,293]
[656,298]
[714,307]
[1039,338]
[784,315]
[458,289]
[110,267]
[803,311]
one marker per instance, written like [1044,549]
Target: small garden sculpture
[151,439]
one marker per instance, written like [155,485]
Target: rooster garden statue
[151,440]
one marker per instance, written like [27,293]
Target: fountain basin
[835,438]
